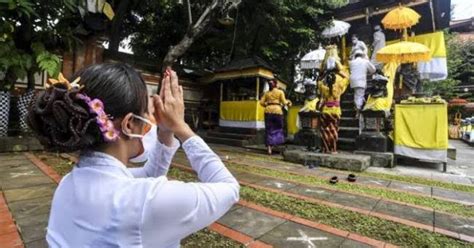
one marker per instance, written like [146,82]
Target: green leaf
[37,47]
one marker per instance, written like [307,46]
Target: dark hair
[64,123]
[272,84]
[331,80]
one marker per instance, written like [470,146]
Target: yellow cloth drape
[241,111]
[384,103]
[422,126]
[434,41]
[292,119]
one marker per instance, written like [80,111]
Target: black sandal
[352,178]
[334,180]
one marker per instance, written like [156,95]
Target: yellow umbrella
[404,52]
[400,18]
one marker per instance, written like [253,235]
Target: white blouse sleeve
[158,162]
[175,209]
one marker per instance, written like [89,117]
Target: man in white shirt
[379,43]
[358,45]
[360,66]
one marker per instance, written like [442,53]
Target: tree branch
[193,32]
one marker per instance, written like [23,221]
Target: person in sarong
[333,84]
[273,101]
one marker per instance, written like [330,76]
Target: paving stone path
[280,232]
[420,217]
[436,192]
[28,194]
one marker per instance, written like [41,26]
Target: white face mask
[147,140]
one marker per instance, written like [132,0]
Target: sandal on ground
[352,178]
[334,180]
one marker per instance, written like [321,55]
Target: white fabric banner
[423,154]
[434,70]
[242,124]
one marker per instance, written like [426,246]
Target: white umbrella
[336,28]
[313,59]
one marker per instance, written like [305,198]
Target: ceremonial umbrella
[400,18]
[404,52]
[336,28]
[313,59]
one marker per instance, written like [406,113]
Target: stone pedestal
[379,159]
[308,135]
[371,141]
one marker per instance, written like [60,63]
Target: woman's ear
[127,124]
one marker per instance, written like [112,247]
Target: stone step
[249,131]
[19,144]
[341,161]
[236,136]
[348,132]
[226,141]
[350,112]
[349,122]
[347,144]
[347,104]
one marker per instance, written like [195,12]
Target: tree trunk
[193,32]
[115,34]
[30,80]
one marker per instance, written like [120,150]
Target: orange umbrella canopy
[404,52]
[400,18]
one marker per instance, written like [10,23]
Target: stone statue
[308,116]
[311,98]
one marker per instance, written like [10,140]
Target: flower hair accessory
[106,126]
[64,82]
[96,106]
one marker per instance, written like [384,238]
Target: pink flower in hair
[84,98]
[110,135]
[96,106]
[106,126]
[102,119]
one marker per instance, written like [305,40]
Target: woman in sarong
[333,84]
[273,100]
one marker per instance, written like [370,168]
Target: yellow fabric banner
[434,41]
[241,111]
[292,119]
[422,126]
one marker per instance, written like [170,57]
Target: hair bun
[63,122]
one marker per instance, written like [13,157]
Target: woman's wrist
[183,132]
[166,137]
